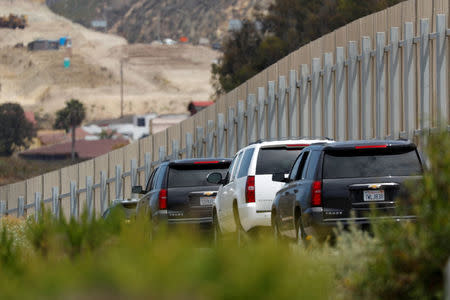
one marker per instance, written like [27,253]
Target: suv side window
[236,166]
[295,168]
[230,169]
[159,178]
[312,164]
[150,180]
[301,174]
[245,163]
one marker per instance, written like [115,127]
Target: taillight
[316,193]
[162,199]
[250,189]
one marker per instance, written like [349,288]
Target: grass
[112,259]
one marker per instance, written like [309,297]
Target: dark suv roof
[192,161]
[365,144]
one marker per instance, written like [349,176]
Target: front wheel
[301,237]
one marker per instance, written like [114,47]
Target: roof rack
[291,138]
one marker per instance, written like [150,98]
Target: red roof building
[83,150]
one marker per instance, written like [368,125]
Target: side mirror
[280,177]
[214,178]
[137,189]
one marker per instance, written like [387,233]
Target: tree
[70,117]
[15,130]
[288,25]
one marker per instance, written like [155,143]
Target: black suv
[343,182]
[177,191]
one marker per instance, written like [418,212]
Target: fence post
[55,202]
[272,130]
[175,149]
[210,138]
[37,206]
[293,105]
[441,74]
[394,84]
[366,88]
[353,83]
[73,200]
[199,142]
[2,208]
[380,87]
[409,79]
[328,95]
[118,182]
[240,132]
[262,113]
[231,133]
[133,171]
[316,101]
[89,200]
[20,206]
[251,118]
[304,102]
[221,145]
[425,116]
[282,108]
[103,192]
[341,111]
[161,153]
[189,145]
[147,166]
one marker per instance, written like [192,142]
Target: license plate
[374,195]
[206,201]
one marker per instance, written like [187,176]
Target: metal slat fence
[387,89]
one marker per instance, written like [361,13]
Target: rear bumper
[314,222]
[251,218]
[167,217]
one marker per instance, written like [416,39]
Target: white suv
[245,197]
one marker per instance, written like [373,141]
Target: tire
[275,228]
[300,232]
[241,235]
[216,233]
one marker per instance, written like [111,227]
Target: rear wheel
[241,235]
[300,232]
[275,228]
[216,229]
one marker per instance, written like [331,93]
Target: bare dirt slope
[157,78]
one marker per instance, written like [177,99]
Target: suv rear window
[276,160]
[193,175]
[380,163]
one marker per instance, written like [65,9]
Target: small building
[37,45]
[84,150]
[196,106]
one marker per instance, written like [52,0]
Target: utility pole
[121,88]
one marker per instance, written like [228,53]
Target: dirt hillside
[161,79]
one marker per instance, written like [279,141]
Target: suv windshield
[193,176]
[373,164]
[276,160]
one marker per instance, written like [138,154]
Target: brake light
[206,162]
[316,193]
[162,199]
[371,147]
[250,189]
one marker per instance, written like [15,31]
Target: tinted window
[230,169]
[245,163]
[299,166]
[312,164]
[371,164]
[294,170]
[236,165]
[159,178]
[194,176]
[275,160]
[150,180]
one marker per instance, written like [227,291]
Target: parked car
[177,191]
[245,197]
[341,183]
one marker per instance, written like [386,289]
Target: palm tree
[70,117]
